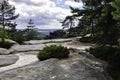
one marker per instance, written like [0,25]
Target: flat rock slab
[6,60]
[23,60]
[32,42]
[53,69]
[29,52]
[77,45]
[35,47]
[24,48]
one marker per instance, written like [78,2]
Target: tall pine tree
[30,30]
[95,16]
[7,14]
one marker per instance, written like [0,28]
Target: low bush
[102,52]
[86,39]
[7,44]
[53,51]
[111,55]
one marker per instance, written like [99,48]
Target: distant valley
[45,31]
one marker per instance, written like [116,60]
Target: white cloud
[45,13]
[54,24]
[74,4]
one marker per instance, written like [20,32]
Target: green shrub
[118,42]
[86,39]
[53,51]
[111,55]
[102,52]
[7,44]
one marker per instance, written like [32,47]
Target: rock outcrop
[79,66]
[74,68]
[33,47]
[32,42]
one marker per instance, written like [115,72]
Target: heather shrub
[53,51]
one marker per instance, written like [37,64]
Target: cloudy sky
[46,14]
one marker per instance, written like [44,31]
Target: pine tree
[116,14]
[7,14]
[95,16]
[30,30]
[30,24]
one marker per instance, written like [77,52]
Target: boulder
[6,60]
[4,51]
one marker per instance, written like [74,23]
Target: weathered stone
[4,51]
[7,59]
[54,69]
[24,59]
[29,52]
[80,66]
[32,42]
[76,45]
[27,48]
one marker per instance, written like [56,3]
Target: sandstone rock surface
[72,68]
[25,48]
[4,51]
[31,42]
[79,65]
[7,59]
[34,47]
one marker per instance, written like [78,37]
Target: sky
[46,14]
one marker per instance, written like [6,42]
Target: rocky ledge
[74,68]
[79,66]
